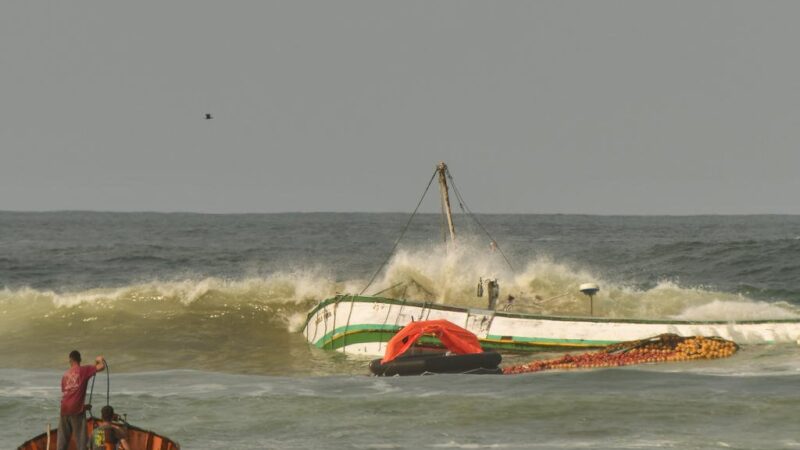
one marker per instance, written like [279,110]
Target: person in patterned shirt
[108,436]
[73,391]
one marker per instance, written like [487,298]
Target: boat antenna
[465,208]
[441,169]
[590,289]
[402,233]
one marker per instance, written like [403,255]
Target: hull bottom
[438,363]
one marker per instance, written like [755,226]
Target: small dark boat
[464,353]
[138,439]
[474,363]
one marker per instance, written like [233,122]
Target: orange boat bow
[138,439]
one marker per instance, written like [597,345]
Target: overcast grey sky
[538,107]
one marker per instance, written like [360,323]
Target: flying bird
[209,116]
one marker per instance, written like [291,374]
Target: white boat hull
[362,326]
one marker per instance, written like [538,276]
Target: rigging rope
[91,392]
[108,383]
[388,289]
[464,206]
[397,242]
[108,388]
[461,207]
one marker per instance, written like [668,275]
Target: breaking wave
[541,286]
[548,287]
[251,324]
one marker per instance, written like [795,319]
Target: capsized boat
[364,324]
[138,439]
[464,353]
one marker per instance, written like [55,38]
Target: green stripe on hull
[548,342]
[344,334]
[361,334]
[367,337]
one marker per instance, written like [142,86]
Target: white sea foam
[540,286]
[549,287]
[738,310]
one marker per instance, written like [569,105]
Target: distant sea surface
[198,316]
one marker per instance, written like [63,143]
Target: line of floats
[462,353]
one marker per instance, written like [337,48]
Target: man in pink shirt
[73,391]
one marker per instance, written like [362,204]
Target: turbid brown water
[197,313]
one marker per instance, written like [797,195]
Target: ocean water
[198,316]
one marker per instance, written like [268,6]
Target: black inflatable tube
[475,363]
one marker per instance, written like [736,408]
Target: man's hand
[100,363]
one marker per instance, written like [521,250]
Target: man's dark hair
[75,356]
[107,413]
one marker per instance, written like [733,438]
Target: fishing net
[659,349]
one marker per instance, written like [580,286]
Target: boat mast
[442,169]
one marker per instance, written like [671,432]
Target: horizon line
[95,211]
